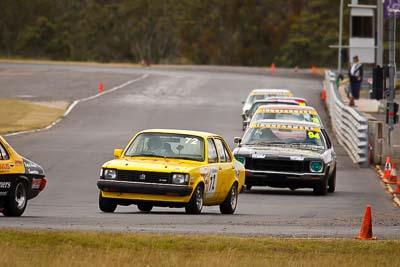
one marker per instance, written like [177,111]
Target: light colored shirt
[355,69]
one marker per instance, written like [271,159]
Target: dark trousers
[355,89]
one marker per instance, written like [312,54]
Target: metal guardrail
[349,126]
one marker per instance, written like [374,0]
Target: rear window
[3,153]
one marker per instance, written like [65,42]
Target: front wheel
[322,188]
[195,204]
[16,201]
[230,202]
[332,182]
[108,205]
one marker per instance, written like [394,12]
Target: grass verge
[49,248]
[18,115]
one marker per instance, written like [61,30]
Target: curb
[388,187]
[76,102]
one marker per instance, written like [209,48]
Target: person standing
[356,76]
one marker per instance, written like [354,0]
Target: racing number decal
[210,176]
[212,180]
[313,135]
[315,120]
[192,141]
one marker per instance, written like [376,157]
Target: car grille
[146,177]
[277,165]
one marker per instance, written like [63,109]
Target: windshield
[284,137]
[255,106]
[261,96]
[166,145]
[252,98]
[286,116]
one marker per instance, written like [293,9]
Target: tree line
[221,32]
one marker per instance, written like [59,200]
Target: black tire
[145,207]
[230,202]
[332,182]
[322,188]
[195,204]
[248,186]
[17,200]
[108,205]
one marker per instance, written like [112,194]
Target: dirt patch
[18,115]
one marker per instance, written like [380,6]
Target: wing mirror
[118,152]
[243,102]
[237,140]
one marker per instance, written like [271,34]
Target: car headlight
[316,166]
[241,159]
[110,174]
[180,178]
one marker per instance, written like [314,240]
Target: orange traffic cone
[393,175]
[366,227]
[388,168]
[272,67]
[397,190]
[313,70]
[101,87]
[323,94]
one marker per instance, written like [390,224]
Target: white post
[339,67]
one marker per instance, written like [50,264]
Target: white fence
[349,126]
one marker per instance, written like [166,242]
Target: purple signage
[391,4]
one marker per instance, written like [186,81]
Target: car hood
[152,164]
[277,151]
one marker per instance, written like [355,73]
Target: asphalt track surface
[195,98]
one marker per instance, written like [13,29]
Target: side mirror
[243,102]
[118,152]
[237,140]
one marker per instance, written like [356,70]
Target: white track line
[76,102]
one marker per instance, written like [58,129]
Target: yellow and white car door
[226,169]
[211,174]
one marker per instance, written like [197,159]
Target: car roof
[307,109]
[264,91]
[176,131]
[288,98]
[273,101]
[305,124]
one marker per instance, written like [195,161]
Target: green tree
[310,36]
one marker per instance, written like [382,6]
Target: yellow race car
[172,168]
[20,180]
